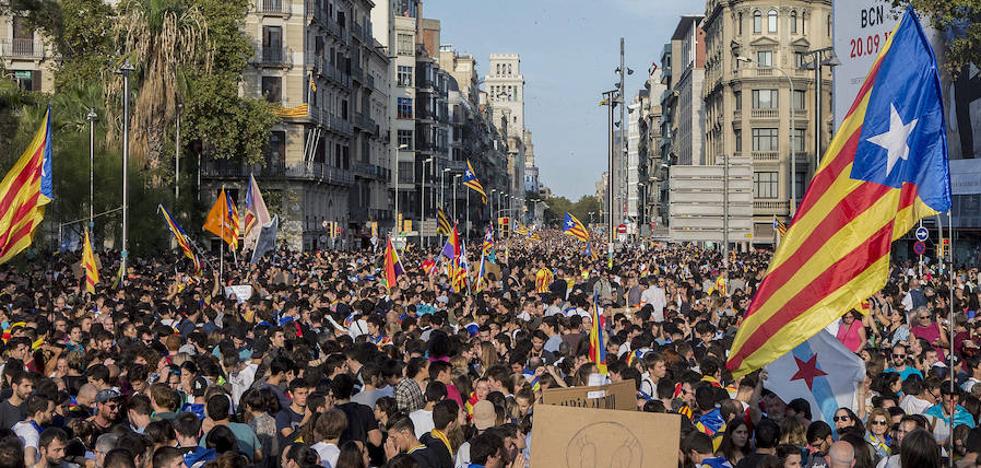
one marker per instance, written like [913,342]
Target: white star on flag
[895,139]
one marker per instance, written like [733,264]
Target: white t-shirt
[422,419]
[328,453]
[27,434]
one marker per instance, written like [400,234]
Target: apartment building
[25,57]
[759,96]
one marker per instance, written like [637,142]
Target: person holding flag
[471,181]
[885,169]
[597,342]
[573,227]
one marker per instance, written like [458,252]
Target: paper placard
[621,396]
[239,292]
[565,437]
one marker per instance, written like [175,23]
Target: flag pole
[221,256]
[950,327]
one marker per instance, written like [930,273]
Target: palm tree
[161,38]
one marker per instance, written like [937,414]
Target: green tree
[959,21]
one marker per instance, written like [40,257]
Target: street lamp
[395,171]
[793,129]
[456,177]
[830,59]
[442,187]
[125,70]
[422,203]
[492,213]
[91,118]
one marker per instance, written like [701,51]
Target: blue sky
[569,51]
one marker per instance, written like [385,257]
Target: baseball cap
[484,415]
[108,394]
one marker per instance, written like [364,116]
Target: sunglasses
[898,356]
[842,418]
[880,422]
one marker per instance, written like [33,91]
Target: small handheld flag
[393,266]
[223,221]
[597,343]
[470,180]
[182,241]
[89,266]
[443,225]
[573,227]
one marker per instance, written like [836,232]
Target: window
[765,139]
[764,58]
[793,22]
[276,149]
[764,99]
[829,25]
[739,23]
[771,21]
[405,76]
[404,45]
[738,135]
[738,96]
[272,37]
[757,22]
[800,100]
[28,80]
[799,59]
[405,139]
[272,89]
[404,108]
[800,186]
[765,185]
[797,139]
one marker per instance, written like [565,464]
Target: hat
[484,415]
[108,394]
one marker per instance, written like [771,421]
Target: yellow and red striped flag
[885,169]
[573,227]
[89,267]
[223,220]
[24,192]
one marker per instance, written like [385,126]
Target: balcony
[317,172]
[22,48]
[358,32]
[371,171]
[799,113]
[766,156]
[364,122]
[766,114]
[273,57]
[769,208]
[337,124]
[371,81]
[275,7]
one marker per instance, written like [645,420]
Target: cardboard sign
[620,396]
[239,292]
[565,437]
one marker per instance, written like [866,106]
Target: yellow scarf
[442,437]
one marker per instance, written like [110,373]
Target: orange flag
[222,220]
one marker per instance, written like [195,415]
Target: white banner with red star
[822,371]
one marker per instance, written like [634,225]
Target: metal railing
[371,81]
[309,171]
[358,32]
[357,72]
[770,207]
[26,48]
[766,156]
[275,7]
[766,113]
[274,57]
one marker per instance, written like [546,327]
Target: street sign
[622,229]
[922,234]
[919,248]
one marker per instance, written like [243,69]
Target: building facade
[24,55]
[759,96]
[506,93]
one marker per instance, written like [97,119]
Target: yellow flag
[89,266]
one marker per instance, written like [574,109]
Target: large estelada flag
[573,227]
[886,168]
[24,192]
[471,181]
[181,238]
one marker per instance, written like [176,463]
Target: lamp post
[793,128]
[817,64]
[456,177]
[422,204]
[125,70]
[395,171]
[610,100]
[493,195]
[91,118]
[442,187]
[177,156]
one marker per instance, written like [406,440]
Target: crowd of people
[310,360]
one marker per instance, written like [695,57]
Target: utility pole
[126,69]
[91,118]
[623,134]
[610,102]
